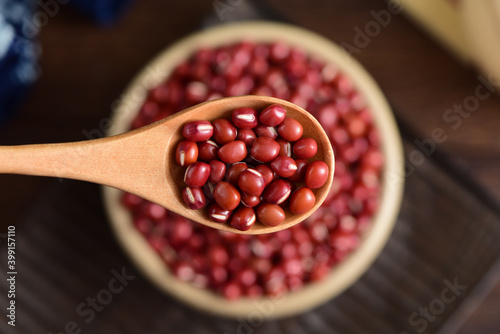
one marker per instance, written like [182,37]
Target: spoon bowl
[142,161]
[222,108]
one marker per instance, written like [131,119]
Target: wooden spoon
[142,161]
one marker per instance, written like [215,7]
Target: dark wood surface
[86,67]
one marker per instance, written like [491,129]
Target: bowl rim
[373,240]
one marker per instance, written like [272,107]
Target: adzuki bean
[246,185]
[198,131]
[186,153]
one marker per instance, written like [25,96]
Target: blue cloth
[102,11]
[20,21]
[18,53]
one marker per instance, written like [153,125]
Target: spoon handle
[78,160]
[117,161]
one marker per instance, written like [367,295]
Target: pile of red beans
[253,153]
[235,265]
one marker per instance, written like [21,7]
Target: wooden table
[85,68]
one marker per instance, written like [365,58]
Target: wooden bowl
[344,274]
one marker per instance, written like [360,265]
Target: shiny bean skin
[234,172]
[243,219]
[266,171]
[276,192]
[285,147]
[302,200]
[233,152]
[300,173]
[197,174]
[247,136]
[284,166]
[270,214]
[290,129]
[218,214]
[250,201]
[207,151]
[266,131]
[224,131]
[245,118]
[194,198]
[305,148]
[186,153]
[272,115]
[227,196]
[316,174]
[264,149]
[217,171]
[198,131]
[251,182]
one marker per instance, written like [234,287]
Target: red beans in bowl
[316,245]
[247,186]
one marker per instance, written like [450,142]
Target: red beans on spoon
[249,186]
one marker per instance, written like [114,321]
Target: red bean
[279,51]
[270,214]
[328,116]
[186,153]
[316,174]
[266,172]
[247,136]
[218,214]
[290,129]
[373,159]
[301,171]
[284,166]
[356,126]
[194,198]
[207,151]
[246,277]
[285,147]
[218,255]
[251,182]
[302,200]
[198,131]
[276,192]
[243,219]
[234,172]
[233,152]
[305,148]
[224,131]
[197,174]
[272,115]
[249,200]
[258,67]
[196,92]
[231,290]
[218,275]
[245,117]
[217,171]
[369,177]
[208,190]
[227,196]
[266,131]
[264,149]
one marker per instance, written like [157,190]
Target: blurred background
[64,65]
